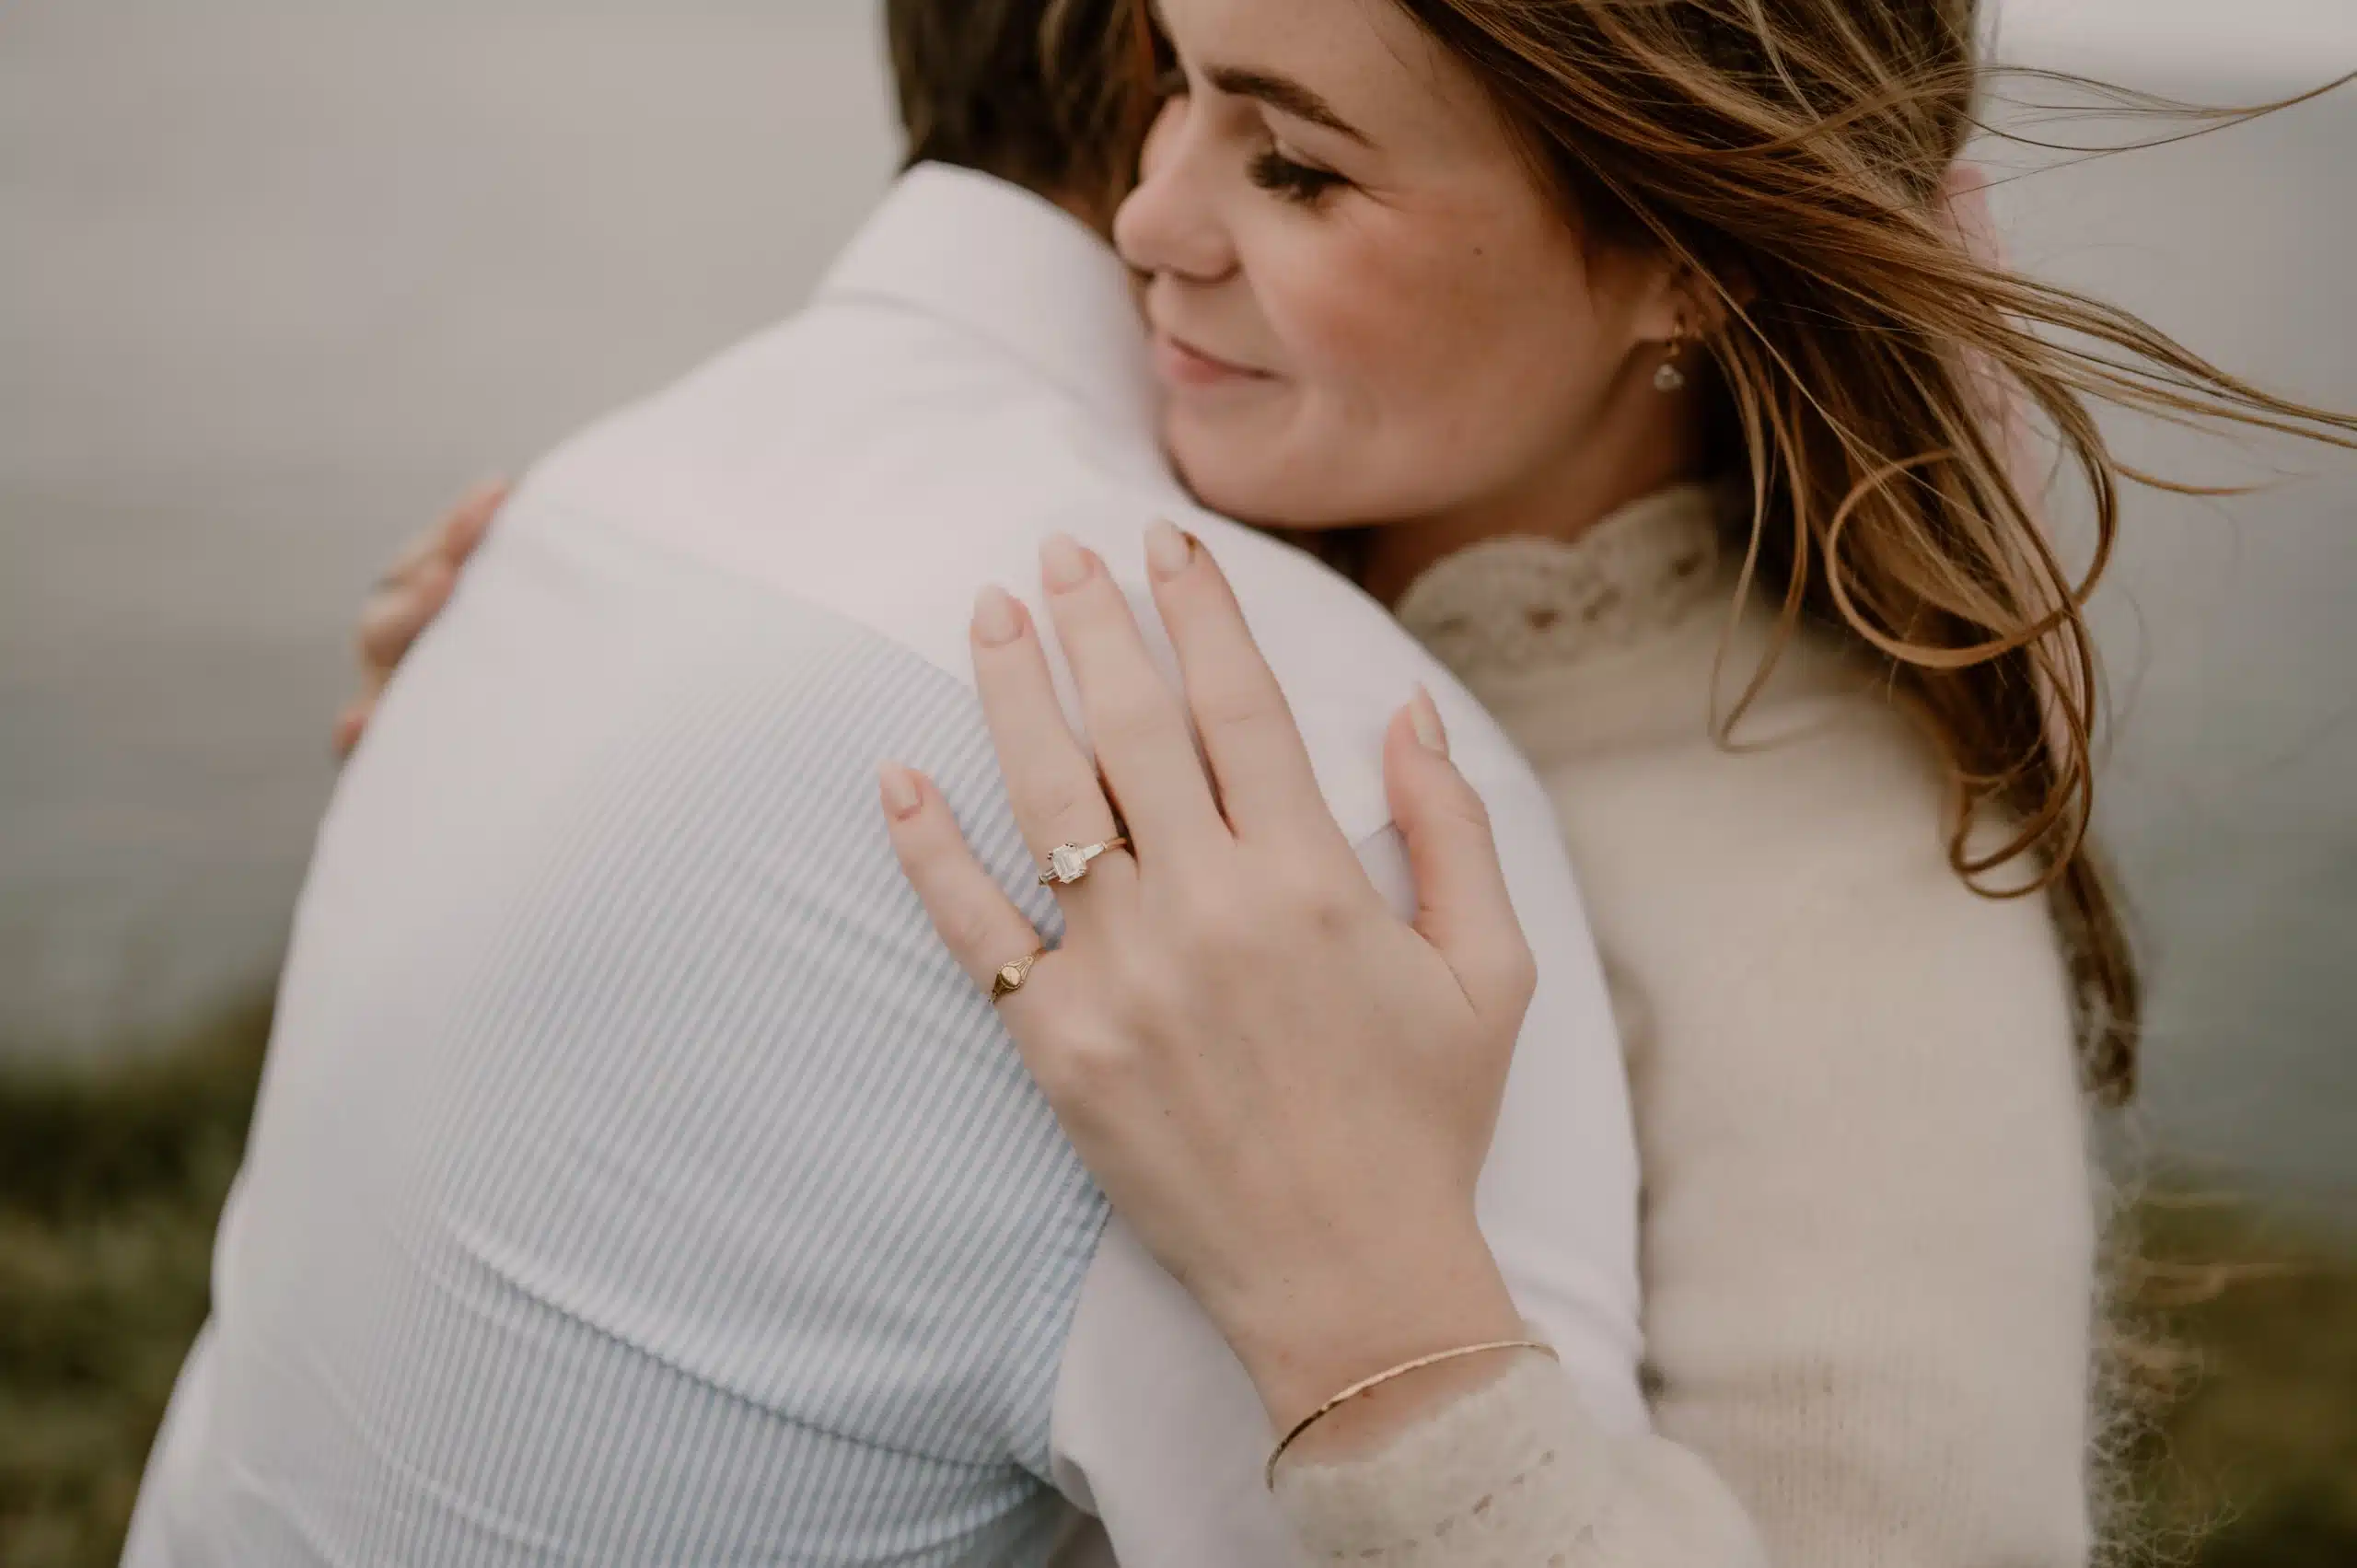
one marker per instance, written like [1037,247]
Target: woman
[1629,352]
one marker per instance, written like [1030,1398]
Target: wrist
[1307,1335]
[1369,1415]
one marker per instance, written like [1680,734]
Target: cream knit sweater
[1869,1242]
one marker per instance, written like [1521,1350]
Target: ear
[1676,302]
[1667,307]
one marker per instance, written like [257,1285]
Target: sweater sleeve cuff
[1516,1455]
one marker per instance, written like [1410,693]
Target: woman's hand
[1287,1092]
[407,599]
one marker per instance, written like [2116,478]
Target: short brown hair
[1038,92]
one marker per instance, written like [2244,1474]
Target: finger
[1261,766]
[1051,783]
[1136,725]
[421,547]
[1462,905]
[454,537]
[394,616]
[351,723]
[468,521]
[971,914]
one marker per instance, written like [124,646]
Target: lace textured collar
[1515,602]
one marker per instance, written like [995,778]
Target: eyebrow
[1284,95]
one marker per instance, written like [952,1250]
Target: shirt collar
[1008,265]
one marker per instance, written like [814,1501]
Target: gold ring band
[1010,977]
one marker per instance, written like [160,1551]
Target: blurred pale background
[277,280]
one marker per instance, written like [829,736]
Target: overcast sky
[2314,35]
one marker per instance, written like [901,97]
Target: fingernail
[1424,719]
[902,796]
[1168,552]
[1062,563]
[997,622]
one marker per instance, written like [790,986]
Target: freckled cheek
[1372,331]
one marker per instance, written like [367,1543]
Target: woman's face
[1365,306]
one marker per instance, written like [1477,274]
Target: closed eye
[1295,182]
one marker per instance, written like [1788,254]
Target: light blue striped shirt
[636,1179]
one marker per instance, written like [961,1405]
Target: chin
[1256,482]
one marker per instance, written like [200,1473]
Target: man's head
[1042,93]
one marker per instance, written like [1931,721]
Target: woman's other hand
[407,599]
[1285,1090]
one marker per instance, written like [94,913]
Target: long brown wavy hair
[1792,157]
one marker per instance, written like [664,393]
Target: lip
[1181,364]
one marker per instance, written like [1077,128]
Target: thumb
[1462,906]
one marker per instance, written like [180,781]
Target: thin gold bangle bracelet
[1405,1367]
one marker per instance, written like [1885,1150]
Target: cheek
[1364,313]
[1445,344]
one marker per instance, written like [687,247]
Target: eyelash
[1281,176]
[1271,170]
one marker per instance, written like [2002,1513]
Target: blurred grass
[2254,1465]
[111,1180]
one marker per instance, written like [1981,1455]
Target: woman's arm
[1515,1472]
[1869,1269]
[1288,1092]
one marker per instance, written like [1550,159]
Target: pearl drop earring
[1669,377]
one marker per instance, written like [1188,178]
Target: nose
[1170,223]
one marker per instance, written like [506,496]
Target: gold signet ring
[1010,977]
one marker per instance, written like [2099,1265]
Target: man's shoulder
[883,466]
[852,430]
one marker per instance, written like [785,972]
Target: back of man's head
[1043,93]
